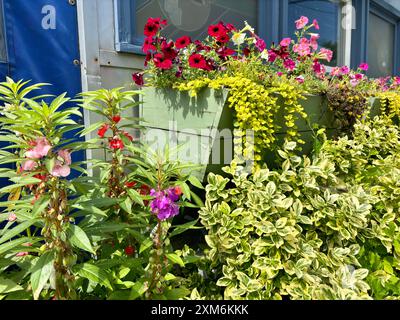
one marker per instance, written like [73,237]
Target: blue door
[39,42]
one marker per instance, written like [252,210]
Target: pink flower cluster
[40,149]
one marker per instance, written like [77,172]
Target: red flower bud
[116,118]
[130,184]
[129,250]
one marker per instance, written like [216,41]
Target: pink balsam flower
[61,167]
[41,149]
[29,165]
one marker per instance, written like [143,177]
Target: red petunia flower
[168,50]
[116,118]
[147,58]
[217,30]
[103,129]
[148,45]
[138,78]
[197,61]
[223,52]
[230,27]
[246,52]
[150,29]
[223,38]
[161,62]
[183,42]
[116,143]
[153,25]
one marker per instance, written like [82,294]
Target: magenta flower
[302,22]
[61,167]
[364,66]
[289,64]
[286,42]
[163,205]
[300,79]
[260,44]
[41,149]
[397,81]
[344,70]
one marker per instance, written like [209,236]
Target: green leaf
[7,285]
[41,272]
[195,182]
[146,244]
[137,290]
[14,243]
[183,227]
[79,239]
[174,258]
[50,164]
[91,128]
[126,205]
[93,273]
[176,293]
[135,196]
[17,230]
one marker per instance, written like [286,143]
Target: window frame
[269,24]
[360,34]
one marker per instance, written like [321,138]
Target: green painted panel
[199,124]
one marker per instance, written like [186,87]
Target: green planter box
[203,126]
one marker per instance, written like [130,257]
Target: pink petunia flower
[300,79]
[364,66]
[326,54]
[344,70]
[315,24]
[286,42]
[41,149]
[302,22]
[302,49]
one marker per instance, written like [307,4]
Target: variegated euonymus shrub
[312,229]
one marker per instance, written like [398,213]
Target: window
[381,42]
[376,36]
[192,17]
[185,17]
[327,12]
